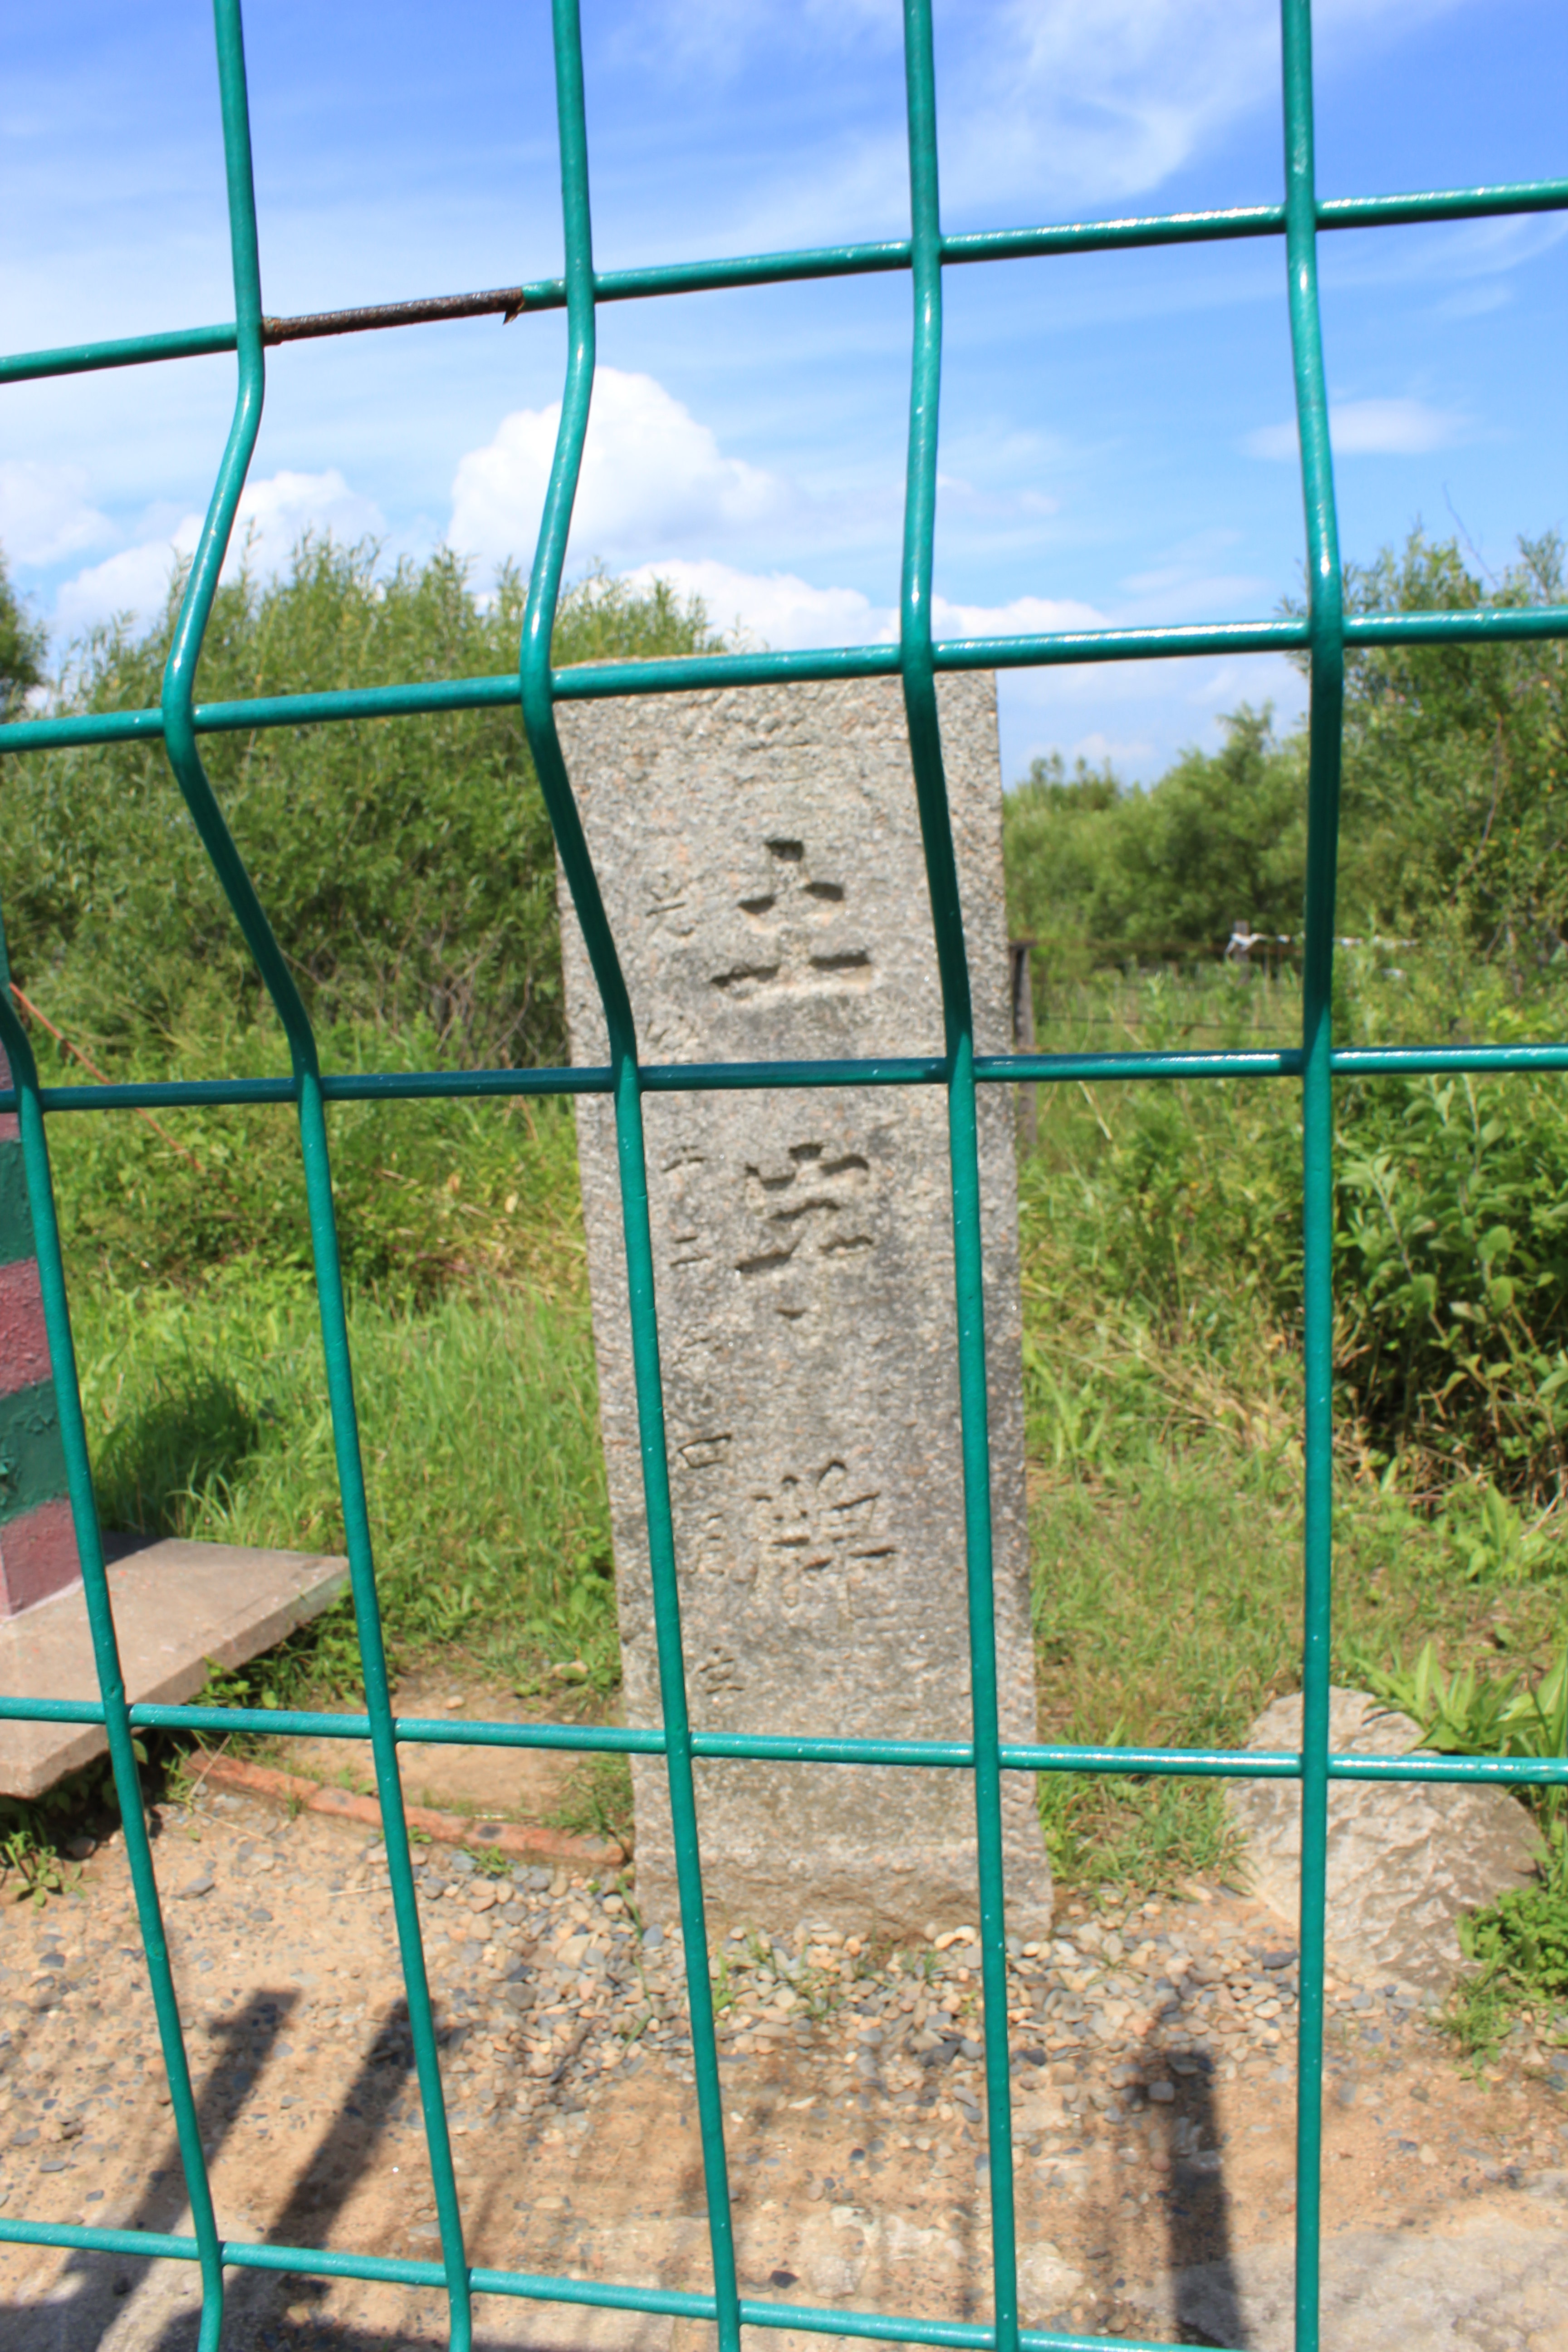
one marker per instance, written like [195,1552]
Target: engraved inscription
[718,1671]
[786,911]
[811,1207]
[809,1525]
[667,903]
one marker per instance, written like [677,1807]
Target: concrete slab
[176,1606]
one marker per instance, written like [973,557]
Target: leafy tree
[407,865]
[1455,758]
[1102,871]
[22,648]
[1056,829]
[1453,809]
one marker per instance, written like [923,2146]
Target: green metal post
[544,741]
[106,1660]
[958,1019]
[1326,616]
[180,742]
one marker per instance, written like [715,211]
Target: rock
[202,1884]
[1404,1861]
[1046,2284]
[1480,2290]
[760,858]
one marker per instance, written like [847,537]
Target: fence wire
[1324,633]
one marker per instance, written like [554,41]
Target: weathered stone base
[919,1876]
[177,1607]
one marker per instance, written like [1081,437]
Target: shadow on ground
[98,2293]
[1198,2223]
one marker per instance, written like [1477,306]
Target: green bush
[1097,872]
[407,865]
[429,1195]
[1183,1201]
[1452,807]
[1454,762]
[22,648]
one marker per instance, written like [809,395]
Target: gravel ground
[1151,2058]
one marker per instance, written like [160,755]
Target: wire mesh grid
[1322,634]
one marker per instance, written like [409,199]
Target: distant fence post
[38,1540]
[1021,980]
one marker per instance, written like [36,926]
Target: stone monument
[760,856]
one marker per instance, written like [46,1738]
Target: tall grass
[208,1417]
[1161,1234]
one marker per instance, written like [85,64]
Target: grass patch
[1164,1413]
[597,1800]
[479,1421]
[1518,1978]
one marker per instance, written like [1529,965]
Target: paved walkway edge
[523,1841]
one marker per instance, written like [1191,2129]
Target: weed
[1467,1713]
[489,1861]
[1492,1538]
[597,1800]
[30,1869]
[1519,1947]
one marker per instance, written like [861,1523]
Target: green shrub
[1523,1936]
[407,865]
[430,1195]
[1518,1949]
[1182,1202]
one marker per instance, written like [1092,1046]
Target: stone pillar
[760,856]
[37,1542]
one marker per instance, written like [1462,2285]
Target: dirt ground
[1155,2190]
[524,1784]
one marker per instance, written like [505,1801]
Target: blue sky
[1116,429]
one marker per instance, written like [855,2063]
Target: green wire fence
[1324,635]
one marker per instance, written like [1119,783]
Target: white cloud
[1092,104]
[651,476]
[1048,104]
[1097,747]
[1025,616]
[1369,428]
[1095,104]
[135,583]
[274,516]
[775,608]
[45,512]
[781,610]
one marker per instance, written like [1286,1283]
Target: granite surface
[760,857]
[1405,1859]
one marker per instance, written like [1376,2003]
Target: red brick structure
[37,1542]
